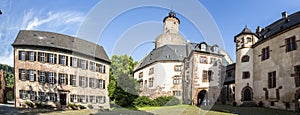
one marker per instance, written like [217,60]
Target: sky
[131,26]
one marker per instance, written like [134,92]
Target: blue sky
[132,30]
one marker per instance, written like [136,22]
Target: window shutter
[34,78]
[46,57]
[54,78]
[86,64]
[86,81]
[39,74]
[20,55]
[103,84]
[27,74]
[66,79]
[55,58]
[20,71]
[34,56]
[46,77]
[66,60]
[26,55]
[78,62]
[103,68]
[71,61]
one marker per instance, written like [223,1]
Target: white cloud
[65,22]
[7,59]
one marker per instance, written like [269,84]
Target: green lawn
[216,110]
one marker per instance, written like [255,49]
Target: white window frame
[23,94]
[74,62]
[62,59]
[51,58]
[23,55]
[52,97]
[31,75]
[51,77]
[31,56]
[32,95]
[42,76]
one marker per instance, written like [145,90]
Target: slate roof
[246,30]
[60,41]
[164,53]
[280,25]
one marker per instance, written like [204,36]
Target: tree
[8,75]
[122,87]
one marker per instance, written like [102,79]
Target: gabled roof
[280,25]
[60,41]
[164,53]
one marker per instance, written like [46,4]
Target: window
[177,68]
[73,80]
[176,93]
[140,74]
[31,75]
[82,98]
[22,94]
[291,44]
[265,53]
[82,82]
[176,80]
[42,57]
[92,66]
[31,56]
[51,77]
[42,76]
[63,79]
[297,75]
[92,99]
[151,71]
[245,58]
[22,55]
[100,68]
[203,60]
[213,60]
[249,40]
[22,74]
[73,62]
[73,98]
[215,49]
[151,82]
[246,75]
[82,63]
[92,82]
[51,58]
[205,76]
[32,95]
[272,79]
[63,60]
[52,97]
[100,99]
[209,73]
[100,84]
[42,96]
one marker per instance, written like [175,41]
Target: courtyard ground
[166,110]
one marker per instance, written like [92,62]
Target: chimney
[258,29]
[187,48]
[284,14]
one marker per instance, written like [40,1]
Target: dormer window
[215,49]
[249,39]
[203,47]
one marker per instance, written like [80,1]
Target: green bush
[30,104]
[167,101]
[40,105]
[144,101]
[81,106]
[90,106]
[173,101]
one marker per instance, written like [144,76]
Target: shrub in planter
[72,106]
[90,106]
[29,104]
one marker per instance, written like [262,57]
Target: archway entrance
[201,97]
[247,94]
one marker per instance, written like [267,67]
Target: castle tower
[244,67]
[171,32]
